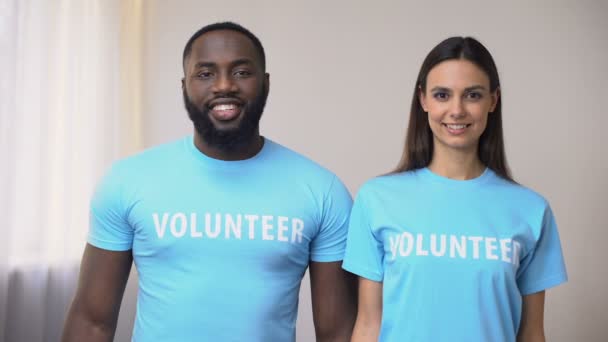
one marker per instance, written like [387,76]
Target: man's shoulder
[160,153]
[297,162]
[151,159]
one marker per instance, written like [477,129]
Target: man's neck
[246,151]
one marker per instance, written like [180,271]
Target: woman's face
[457,99]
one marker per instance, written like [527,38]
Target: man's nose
[224,84]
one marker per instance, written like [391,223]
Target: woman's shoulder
[392,182]
[523,194]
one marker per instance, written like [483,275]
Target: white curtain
[70,85]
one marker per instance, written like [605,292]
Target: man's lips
[225,109]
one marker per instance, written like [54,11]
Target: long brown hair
[418,150]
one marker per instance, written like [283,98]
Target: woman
[448,247]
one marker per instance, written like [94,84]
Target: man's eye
[442,96]
[204,74]
[242,73]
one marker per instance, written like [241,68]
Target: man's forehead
[222,42]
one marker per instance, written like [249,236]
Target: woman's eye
[474,95]
[441,96]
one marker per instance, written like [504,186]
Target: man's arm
[334,301]
[369,316]
[531,328]
[94,312]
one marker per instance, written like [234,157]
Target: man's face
[225,88]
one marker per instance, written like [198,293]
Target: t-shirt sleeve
[543,267]
[330,242]
[364,253]
[108,225]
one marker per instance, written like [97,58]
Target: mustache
[208,104]
[232,139]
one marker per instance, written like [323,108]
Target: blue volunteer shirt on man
[220,247]
[454,257]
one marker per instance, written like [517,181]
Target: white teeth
[456,126]
[224,107]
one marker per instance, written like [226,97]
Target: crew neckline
[485,175]
[227,164]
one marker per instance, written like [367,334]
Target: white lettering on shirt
[441,251]
[229,226]
[297,227]
[490,248]
[232,226]
[458,246]
[454,246]
[179,231]
[160,227]
[419,249]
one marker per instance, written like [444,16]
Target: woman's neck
[456,164]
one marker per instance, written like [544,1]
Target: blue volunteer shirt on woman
[455,257]
[220,246]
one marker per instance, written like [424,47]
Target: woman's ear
[422,98]
[495,96]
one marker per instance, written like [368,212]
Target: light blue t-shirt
[455,257]
[220,246]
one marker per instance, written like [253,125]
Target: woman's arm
[531,328]
[369,313]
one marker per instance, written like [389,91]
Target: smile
[225,111]
[456,129]
[225,107]
[456,126]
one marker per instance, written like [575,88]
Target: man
[221,225]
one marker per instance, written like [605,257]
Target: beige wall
[341,80]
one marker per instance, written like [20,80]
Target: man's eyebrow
[240,61]
[199,65]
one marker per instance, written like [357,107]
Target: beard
[228,140]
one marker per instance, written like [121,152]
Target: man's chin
[226,125]
[227,135]
[225,138]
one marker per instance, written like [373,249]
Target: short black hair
[227,25]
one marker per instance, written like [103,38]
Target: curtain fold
[70,103]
